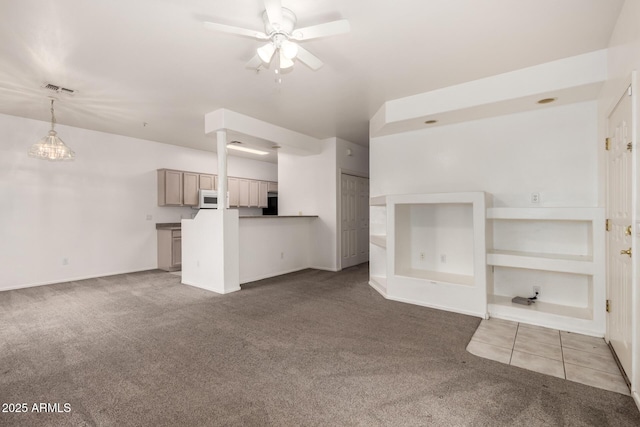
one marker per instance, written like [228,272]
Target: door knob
[627,252]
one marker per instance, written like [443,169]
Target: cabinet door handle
[627,252]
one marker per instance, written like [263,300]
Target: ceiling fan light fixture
[266,52]
[289,49]
[284,61]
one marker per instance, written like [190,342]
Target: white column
[222,169]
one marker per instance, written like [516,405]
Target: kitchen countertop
[168,226]
[178,226]
[279,216]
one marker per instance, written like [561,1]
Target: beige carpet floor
[309,348]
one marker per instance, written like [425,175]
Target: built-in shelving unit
[429,249]
[559,250]
[451,251]
[378,246]
[379,240]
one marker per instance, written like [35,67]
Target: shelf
[378,240]
[503,305]
[568,214]
[564,263]
[437,276]
[378,201]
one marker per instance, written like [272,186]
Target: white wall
[91,211]
[274,246]
[309,184]
[551,151]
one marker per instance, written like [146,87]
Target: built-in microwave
[208,199]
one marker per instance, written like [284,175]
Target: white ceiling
[137,61]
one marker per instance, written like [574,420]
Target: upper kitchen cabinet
[234,191]
[207,182]
[254,195]
[169,187]
[263,188]
[180,188]
[243,193]
[190,187]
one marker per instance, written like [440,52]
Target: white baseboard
[209,289]
[332,269]
[72,279]
[269,275]
[378,288]
[636,398]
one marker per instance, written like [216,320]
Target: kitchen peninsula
[221,250]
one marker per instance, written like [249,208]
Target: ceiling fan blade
[254,63]
[274,12]
[235,30]
[309,59]
[322,30]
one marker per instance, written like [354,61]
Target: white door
[362,212]
[619,237]
[354,220]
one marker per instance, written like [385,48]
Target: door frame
[339,173]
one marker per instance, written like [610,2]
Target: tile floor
[580,358]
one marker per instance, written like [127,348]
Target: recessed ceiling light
[430,122]
[546,100]
[234,146]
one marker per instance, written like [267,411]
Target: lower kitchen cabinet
[169,249]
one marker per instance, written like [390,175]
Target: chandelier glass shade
[51,147]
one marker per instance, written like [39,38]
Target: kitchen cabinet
[234,192]
[243,193]
[169,187]
[254,195]
[190,186]
[169,249]
[263,188]
[181,188]
[207,182]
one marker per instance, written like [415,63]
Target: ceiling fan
[282,37]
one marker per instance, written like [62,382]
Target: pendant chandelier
[51,147]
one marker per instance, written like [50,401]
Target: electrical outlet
[536,290]
[535,198]
[149,217]
[422,256]
[281,255]
[443,258]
